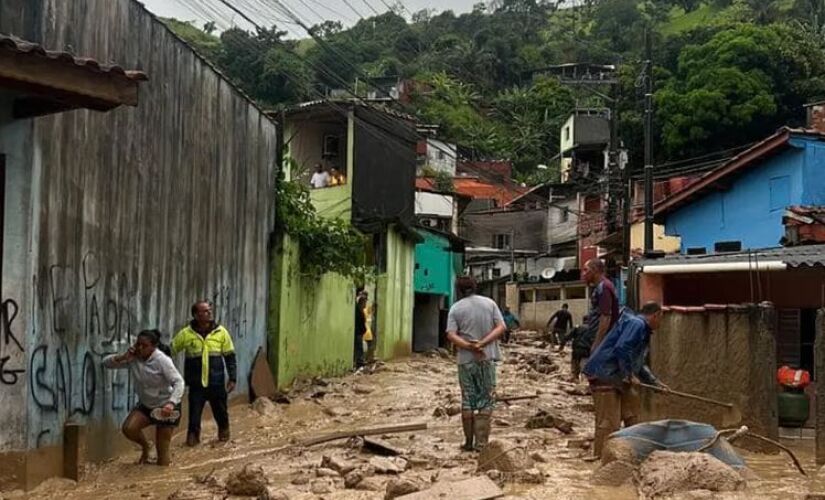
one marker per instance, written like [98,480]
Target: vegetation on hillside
[727,71]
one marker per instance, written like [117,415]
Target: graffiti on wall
[80,314]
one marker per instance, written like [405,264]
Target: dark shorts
[146,411]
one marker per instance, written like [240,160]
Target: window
[567,133]
[548,295]
[501,241]
[496,272]
[332,144]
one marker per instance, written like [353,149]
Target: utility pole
[648,141]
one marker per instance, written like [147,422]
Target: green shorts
[478,384]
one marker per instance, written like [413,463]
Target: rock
[453,410]
[273,493]
[530,476]
[362,389]
[618,449]
[263,406]
[324,472]
[400,487]
[337,464]
[440,412]
[281,398]
[370,484]
[545,420]
[500,422]
[249,481]
[321,486]
[578,390]
[666,473]
[539,457]
[615,473]
[336,411]
[494,474]
[388,465]
[503,456]
[352,479]
[300,480]
[185,493]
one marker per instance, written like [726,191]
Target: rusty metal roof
[15,45]
[794,257]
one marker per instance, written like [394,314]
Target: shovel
[732,416]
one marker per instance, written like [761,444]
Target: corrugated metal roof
[15,45]
[793,257]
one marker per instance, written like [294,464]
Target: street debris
[544,420]
[504,457]
[665,473]
[264,406]
[381,447]
[400,487]
[477,488]
[249,481]
[371,431]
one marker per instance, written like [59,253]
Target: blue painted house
[439,258]
[744,200]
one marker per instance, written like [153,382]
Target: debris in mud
[273,493]
[281,398]
[503,456]
[577,390]
[530,476]
[539,457]
[324,472]
[352,479]
[401,487]
[362,389]
[336,411]
[190,493]
[665,473]
[381,447]
[618,449]
[544,420]
[263,406]
[575,444]
[447,411]
[370,484]
[476,488]
[337,464]
[616,473]
[321,486]
[249,481]
[388,465]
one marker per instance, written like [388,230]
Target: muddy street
[546,437]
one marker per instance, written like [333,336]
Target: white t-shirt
[472,318]
[319,180]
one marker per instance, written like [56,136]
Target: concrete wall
[432,204]
[751,210]
[661,241]
[312,321]
[529,228]
[117,222]
[395,298]
[728,355]
[441,156]
[534,310]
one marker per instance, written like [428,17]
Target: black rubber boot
[467,425]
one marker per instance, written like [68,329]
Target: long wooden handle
[686,395]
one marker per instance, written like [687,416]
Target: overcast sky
[310,11]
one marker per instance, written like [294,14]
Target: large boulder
[665,473]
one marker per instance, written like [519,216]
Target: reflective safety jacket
[206,355]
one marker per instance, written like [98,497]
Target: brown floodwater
[404,391]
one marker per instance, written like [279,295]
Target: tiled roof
[17,46]
[478,189]
[793,257]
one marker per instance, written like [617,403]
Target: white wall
[442,156]
[432,204]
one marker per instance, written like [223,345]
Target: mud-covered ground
[420,389]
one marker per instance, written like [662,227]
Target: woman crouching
[159,387]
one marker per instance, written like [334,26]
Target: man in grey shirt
[474,326]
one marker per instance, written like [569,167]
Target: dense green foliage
[727,71]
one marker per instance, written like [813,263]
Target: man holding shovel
[616,366]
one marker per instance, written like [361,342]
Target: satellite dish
[548,273]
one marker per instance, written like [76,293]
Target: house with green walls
[439,259]
[311,323]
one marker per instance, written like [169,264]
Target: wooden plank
[73,450]
[381,447]
[369,431]
[262,384]
[476,488]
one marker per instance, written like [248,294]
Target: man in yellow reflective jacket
[209,349]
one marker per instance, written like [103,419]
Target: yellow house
[667,244]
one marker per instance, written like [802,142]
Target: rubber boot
[223,434]
[192,439]
[481,428]
[467,425]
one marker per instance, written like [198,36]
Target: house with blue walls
[744,199]
[439,259]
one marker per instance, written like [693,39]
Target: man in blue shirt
[616,365]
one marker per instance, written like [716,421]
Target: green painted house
[311,323]
[439,259]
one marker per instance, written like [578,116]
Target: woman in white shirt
[159,387]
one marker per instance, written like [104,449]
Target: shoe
[481,429]
[192,439]
[467,426]
[223,434]
[157,414]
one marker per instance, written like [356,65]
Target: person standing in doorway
[320,179]
[616,367]
[159,387]
[559,324]
[604,304]
[210,356]
[360,329]
[474,325]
